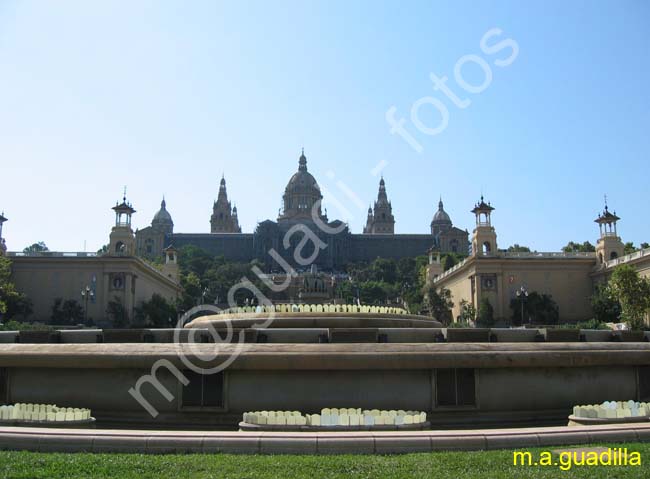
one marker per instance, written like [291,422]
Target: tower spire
[302,162]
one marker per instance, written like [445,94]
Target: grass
[439,465]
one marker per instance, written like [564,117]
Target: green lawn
[439,465]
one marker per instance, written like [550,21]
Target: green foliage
[22,326]
[36,248]
[117,313]
[438,303]
[538,309]
[12,303]
[632,292]
[485,318]
[467,312]
[591,324]
[103,250]
[155,313]
[384,280]
[208,279]
[460,324]
[629,248]
[515,248]
[66,313]
[605,307]
[494,464]
[573,247]
[644,245]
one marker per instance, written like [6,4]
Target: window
[203,390]
[455,387]
[4,389]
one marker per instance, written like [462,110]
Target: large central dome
[301,194]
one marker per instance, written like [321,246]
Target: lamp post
[86,294]
[522,294]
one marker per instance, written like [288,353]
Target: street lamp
[522,294]
[86,294]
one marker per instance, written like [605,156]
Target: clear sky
[166,96]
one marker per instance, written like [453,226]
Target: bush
[485,318]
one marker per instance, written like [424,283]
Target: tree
[629,248]
[632,292]
[439,303]
[103,250]
[117,313]
[485,318]
[36,248]
[538,309]
[467,312]
[384,270]
[156,313]
[448,262]
[585,247]
[12,303]
[645,245]
[606,308]
[68,312]
[515,248]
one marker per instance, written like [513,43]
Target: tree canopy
[632,292]
[573,247]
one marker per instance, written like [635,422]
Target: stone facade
[301,215]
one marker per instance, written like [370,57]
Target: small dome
[441,216]
[163,216]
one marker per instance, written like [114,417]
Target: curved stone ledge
[362,442]
[330,356]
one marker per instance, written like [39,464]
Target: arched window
[613,255]
[120,247]
[487,248]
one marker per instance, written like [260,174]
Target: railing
[451,270]
[554,254]
[628,257]
[57,254]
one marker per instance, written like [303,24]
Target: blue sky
[166,96]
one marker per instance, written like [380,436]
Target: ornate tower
[441,222]
[301,195]
[3,246]
[609,245]
[162,221]
[382,221]
[170,267]
[122,239]
[369,221]
[224,217]
[484,238]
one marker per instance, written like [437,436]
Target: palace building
[301,213]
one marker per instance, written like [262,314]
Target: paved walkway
[136,441]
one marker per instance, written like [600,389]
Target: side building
[501,277]
[96,280]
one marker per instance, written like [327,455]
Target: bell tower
[122,239]
[484,238]
[170,268]
[381,220]
[609,245]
